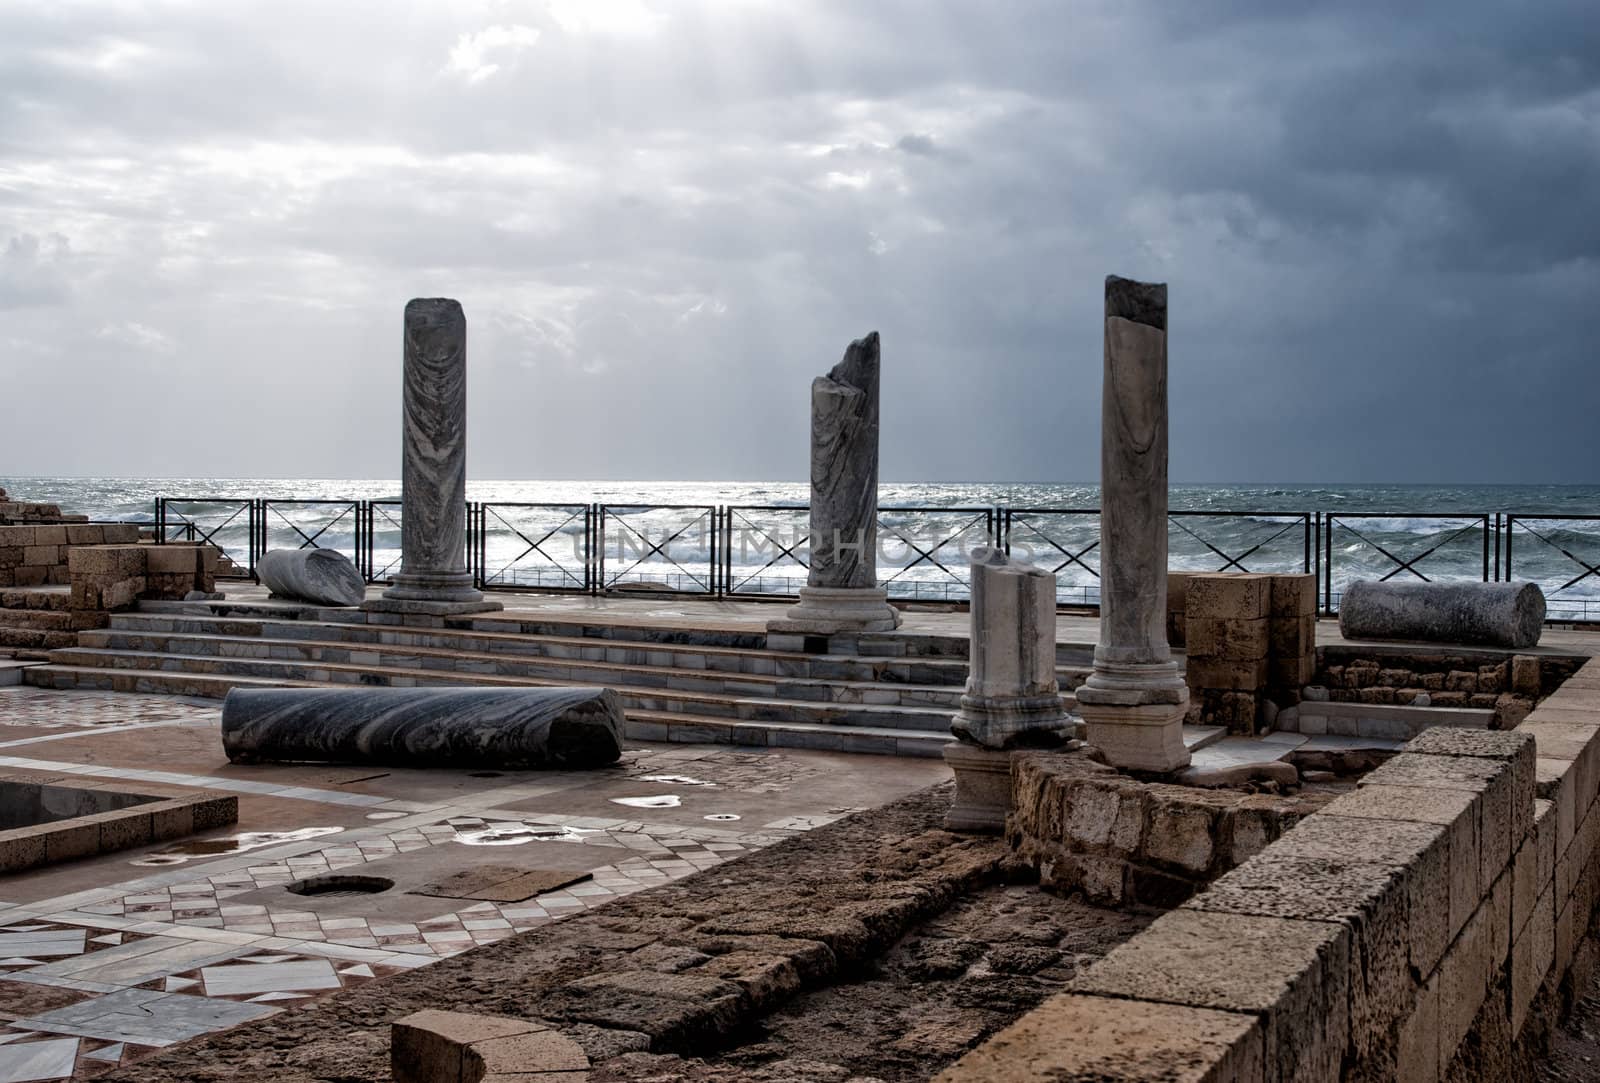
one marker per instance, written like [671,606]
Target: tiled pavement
[159,954]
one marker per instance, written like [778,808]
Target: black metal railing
[1546,549]
[1359,545]
[658,546]
[923,553]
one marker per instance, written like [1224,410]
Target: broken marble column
[841,594]
[320,576]
[1135,700]
[502,728]
[433,576]
[1012,699]
[1468,614]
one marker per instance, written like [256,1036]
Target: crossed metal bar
[1402,564]
[1588,569]
[1235,562]
[1072,558]
[534,546]
[310,540]
[985,516]
[783,550]
[655,549]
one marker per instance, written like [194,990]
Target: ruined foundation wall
[1426,926]
[1089,828]
[1502,681]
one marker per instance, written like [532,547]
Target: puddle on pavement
[723,817]
[515,833]
[666,800]
[677,780]
[232,844]
[386,815]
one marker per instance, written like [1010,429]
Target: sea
[749,538]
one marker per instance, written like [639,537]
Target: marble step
[655,699]
[640,725]
[614,625]
[518,665]
[886,669]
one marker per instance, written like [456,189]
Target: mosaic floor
[104,960]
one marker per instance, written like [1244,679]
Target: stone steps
[749,708]
[889,669]
[508,664]
[640,725]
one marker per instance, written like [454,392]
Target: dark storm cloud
[1381,226]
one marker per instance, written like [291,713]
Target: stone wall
[20,511]
[32,556]
[1251,640]
[1427,926]
[110,577]
[1092,829]
[1506,683]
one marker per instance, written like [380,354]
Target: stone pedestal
[983,789]
[433,578]
[841,594]
[1135,700]
[1012,699]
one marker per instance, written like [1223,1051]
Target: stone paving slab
[157,949]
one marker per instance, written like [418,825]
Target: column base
[1005,722]
[1137,736]
[826,611]
[429,607]
[434,587]
[983,789]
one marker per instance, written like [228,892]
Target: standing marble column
[1012,698]
[433,576]
[1135,700]
[841,594]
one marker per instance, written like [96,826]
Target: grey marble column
[841,594]
[1135,700]
[433,576]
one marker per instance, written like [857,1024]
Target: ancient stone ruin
[433,578]
[1135,701]
[842,594]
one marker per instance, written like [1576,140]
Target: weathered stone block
[1226,638]
[1290,973]
[1292,637]
[108,561]
[1293,673]
[1228,595]
[1419,1037]
[430,1046]
[1111,1040]
[1491,778]
[50,535]
[1234,676]
[1526,676]
[41,555]
[1532,954]
[1370,899]
[1456,811]
[1293,595]
[1420,854]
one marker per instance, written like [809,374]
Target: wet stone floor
[107,959]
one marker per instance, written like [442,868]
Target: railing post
[1486,547]
[1327,563]
[1511,522]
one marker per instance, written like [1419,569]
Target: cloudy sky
[1380,223]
